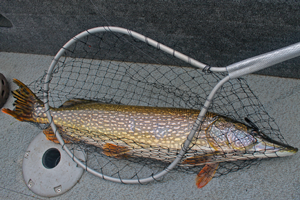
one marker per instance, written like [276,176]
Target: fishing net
[116,68]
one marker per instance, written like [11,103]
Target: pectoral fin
[116,151]
[202,159]
[198,160]
[206,174]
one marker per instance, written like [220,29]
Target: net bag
[117,66]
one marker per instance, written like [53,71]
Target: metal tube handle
[263,61]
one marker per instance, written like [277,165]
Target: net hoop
[234,71]
[155,44]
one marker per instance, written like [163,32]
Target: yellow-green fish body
[144,131]
[150,132]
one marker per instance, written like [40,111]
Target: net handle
[263,61]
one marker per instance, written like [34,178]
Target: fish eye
[254,132]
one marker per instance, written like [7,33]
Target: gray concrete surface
[273,179]
[217,32]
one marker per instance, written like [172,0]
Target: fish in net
[129,106]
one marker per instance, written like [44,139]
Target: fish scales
[146,126]
[145,130]
[151,132]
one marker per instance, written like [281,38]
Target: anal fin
[50,135]
[116,151]
[206,174]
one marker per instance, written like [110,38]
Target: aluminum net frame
[225,80]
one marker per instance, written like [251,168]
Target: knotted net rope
[114,68]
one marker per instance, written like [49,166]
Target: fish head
[226,135]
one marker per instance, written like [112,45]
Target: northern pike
[158,133]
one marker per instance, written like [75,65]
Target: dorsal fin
[73,102]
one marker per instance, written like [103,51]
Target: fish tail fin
[25,103]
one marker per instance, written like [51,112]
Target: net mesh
[114,68]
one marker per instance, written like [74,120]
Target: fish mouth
[268,147]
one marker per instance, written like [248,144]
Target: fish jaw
[287,152]
[267,148]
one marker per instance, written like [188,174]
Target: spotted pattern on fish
[149,132]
